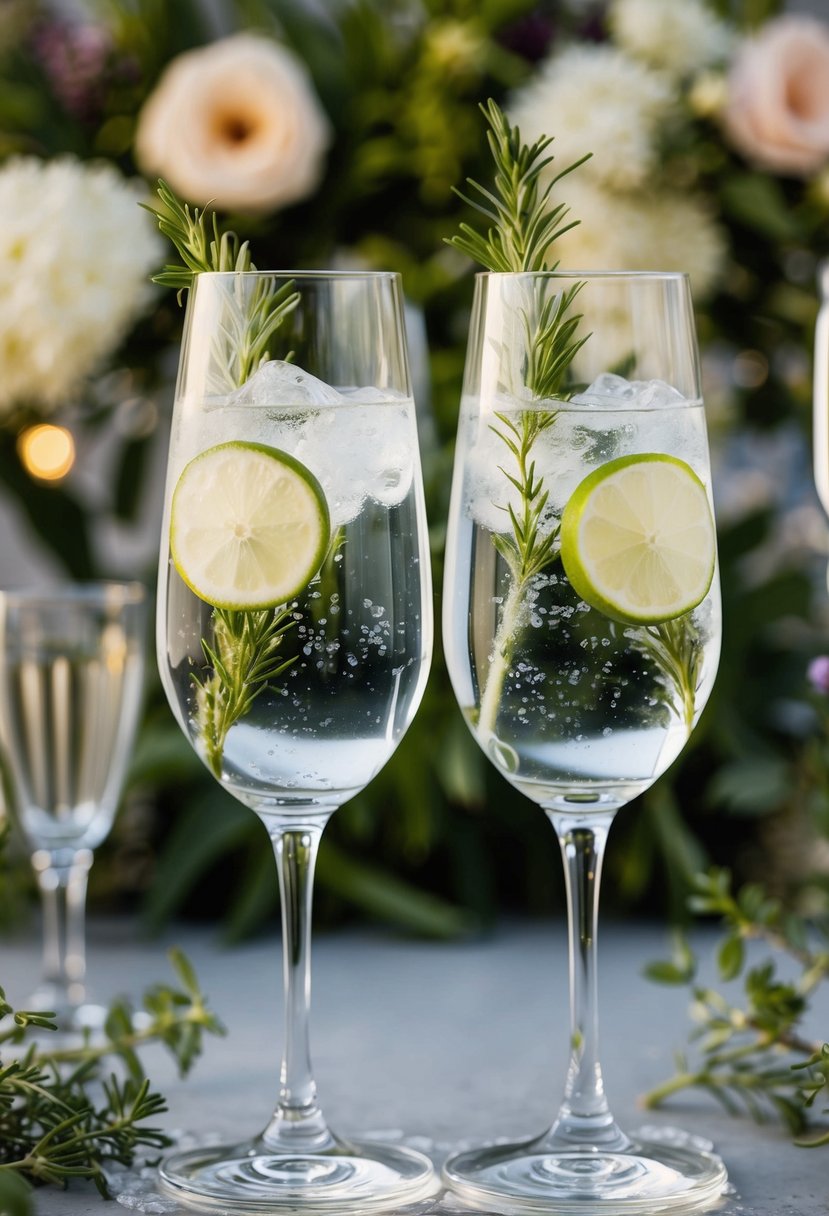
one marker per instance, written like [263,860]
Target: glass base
[252,1178]
[667,1173]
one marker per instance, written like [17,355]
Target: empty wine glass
[582,632]
[71,671]
[294,638]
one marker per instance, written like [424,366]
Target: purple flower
[818,674]
[75,57]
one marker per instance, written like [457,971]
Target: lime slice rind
[638,540]
[249,526]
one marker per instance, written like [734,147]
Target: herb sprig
[244,657]
[524,223]
[74,1111]
[754,1057]
[244,645]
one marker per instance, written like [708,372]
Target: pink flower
[777,114]
[236,123]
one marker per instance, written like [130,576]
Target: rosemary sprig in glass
[243,651]
[524,223]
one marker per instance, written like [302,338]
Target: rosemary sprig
[755,1058]
[202,247]
[243,649]
[675,648]
[524,224]
[528,551]
[64,1111]
[244,657]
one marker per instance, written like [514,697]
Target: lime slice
[249,526]
[638,540]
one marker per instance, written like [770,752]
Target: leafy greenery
[524,223]
[244,644]
[401,83]
[72,1110]
[244,655]
[755,1058]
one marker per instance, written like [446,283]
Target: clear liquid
[68,720]
[570,706]
[360,634]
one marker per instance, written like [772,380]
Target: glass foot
[251,1178]
[666,1173]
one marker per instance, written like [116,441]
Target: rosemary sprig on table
[65,1112]
[242,652]
[754,1056]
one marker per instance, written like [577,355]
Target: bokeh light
[46,451]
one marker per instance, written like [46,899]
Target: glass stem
[297,1123]
[62,879]
[584,1118]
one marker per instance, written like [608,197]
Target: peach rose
[777,113]
[236,123]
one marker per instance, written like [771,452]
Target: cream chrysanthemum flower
[680,37]
[75,253]
[596,99]
[641,230]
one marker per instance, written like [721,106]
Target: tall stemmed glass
[71,668]
[294,484]
[582,459]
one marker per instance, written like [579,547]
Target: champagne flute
[294,638]
[582,632]
[71,669]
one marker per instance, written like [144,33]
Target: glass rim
[337,275]
[667,276]
[101,591]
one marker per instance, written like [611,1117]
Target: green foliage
[71,1111]
[754,1058]
[245,657]
[402,82]
[524,222]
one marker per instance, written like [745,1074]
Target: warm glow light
[46,451]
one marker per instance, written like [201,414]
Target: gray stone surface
[453,1042]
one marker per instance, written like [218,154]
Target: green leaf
[730,957]
[207,830]
[388,897]
[751,787]
[16,1195]
[757,200]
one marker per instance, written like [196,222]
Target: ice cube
[655,394]
[360,452]
[608,391]
[279,383]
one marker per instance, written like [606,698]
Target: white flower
[679,36]
[236,123]
[75,254]
[596,99]
[777,114]
[641,230]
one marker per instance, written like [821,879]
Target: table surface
[457,1041]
